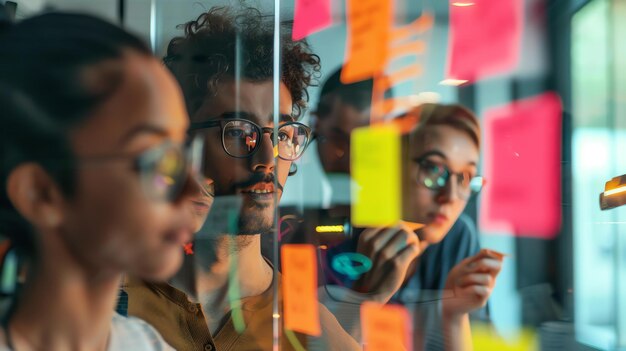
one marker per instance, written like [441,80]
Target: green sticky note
[376,173]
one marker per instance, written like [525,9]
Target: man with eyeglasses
[235,117]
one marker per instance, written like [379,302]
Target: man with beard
[235,116]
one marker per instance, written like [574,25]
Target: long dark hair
[44,94]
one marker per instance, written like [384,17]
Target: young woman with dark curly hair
[224,63]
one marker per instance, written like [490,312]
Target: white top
[129,333]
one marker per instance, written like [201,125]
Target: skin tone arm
[471,282]
[392,251]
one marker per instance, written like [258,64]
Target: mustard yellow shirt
[182,323]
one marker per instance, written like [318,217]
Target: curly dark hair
[207,52]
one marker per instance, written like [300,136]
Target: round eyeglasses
[163,170]
[242,138]
[435,176]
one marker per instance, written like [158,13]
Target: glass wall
[597,136]
[391,175]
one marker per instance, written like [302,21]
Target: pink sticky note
[310,16]
[484,38]
[522,163]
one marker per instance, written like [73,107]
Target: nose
[191,188]
[449,193]
[263,160]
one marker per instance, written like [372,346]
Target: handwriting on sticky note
[301,307]
[369,28]
[385,327]
[310,16]
[373,43]
[375,168]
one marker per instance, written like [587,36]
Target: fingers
[398,242]
[476,294]
[407,255]
[373,242]
[366,241]
[485,265]
[387,259]
[483,279]
[390,270]
[392,250]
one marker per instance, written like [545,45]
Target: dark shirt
[433,265]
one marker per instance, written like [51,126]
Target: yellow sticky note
[385,327]
[376,173]
[301,306]
[484,337]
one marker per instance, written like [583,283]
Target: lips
[438,218]
[260,188]
[260,192]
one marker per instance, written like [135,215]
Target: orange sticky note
[385,327]
[369,32]
[300,303]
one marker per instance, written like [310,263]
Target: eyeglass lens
[435,177]
[241,139]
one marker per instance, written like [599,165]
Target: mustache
[255,178]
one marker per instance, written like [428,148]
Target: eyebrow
[432,153]
[284,117]
[440,154]
[142,129]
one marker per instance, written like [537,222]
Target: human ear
[35,195]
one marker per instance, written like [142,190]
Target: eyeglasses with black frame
[241,138]
[435,176]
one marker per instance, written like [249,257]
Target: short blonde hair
[453,115]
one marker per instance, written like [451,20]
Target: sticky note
[369,31]
[223,217]
[376,174]
[484,337]
[484,38]
[522,164]
[385,327]
[310,16]
[299,284]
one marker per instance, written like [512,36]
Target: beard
[255,218]
[209,251]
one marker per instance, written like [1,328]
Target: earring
[293,169]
